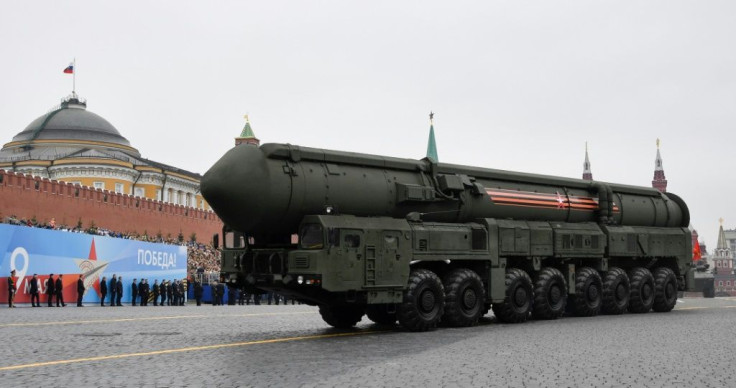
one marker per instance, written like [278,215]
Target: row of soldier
[241,297]
[166,293]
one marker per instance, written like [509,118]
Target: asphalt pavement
[290,346]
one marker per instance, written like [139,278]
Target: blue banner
[41,251]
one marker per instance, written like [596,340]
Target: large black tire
[424,301]
[616,291]
[464,298]
[381,314]
[341,317]
[517,305]
[550,294]
[665,290]
[587,300]
[641,298]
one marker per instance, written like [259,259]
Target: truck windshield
[234,240]
[311,236]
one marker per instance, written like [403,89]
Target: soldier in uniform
[119,289]
[174,293]
[183,291]
[155,292]
[103,291]
[113,290]
[11,289]
[60,292]
[35,299]
[198,292]
[50,289]
[80,290]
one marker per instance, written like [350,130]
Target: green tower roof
[247,130]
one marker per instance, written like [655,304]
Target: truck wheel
[665,290]
[588,286]
[341,317]
[550,294]
[380,314]
[517,304]
[642,290]
[464,298]
[616,291]
[424,301]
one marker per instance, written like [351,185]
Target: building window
[718,263]
[139,192]
[158,194]
[118,187]
[720,283]
[99,185]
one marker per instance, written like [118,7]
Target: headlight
[300,279]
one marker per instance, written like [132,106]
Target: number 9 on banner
[20,272]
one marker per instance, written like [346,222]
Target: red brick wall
[26,197]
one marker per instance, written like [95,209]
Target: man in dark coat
[144,290]
[175,291]
[59,292]
[134,287]
[50,289]
[182,292]
[155,292]
[162,289]
[198,292]
[213,292]
[113,290]
[119,290]
[170,291]
[80,290]
[11,289]
[221,293]
[35,299]
[103,290]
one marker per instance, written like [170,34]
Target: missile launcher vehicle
[424,243]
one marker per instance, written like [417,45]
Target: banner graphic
[31,251]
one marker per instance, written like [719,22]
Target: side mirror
[216,240]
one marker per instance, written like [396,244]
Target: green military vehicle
[424,243]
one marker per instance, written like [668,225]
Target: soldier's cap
[12,271]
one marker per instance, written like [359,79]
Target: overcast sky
[514,85]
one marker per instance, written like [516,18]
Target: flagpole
[74,77]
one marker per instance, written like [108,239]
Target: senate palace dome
[72,144]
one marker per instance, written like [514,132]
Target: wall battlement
[28,197]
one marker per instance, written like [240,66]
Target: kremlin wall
[28,197]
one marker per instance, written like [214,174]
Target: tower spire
[659,182]
[246,135]
[587,174]
[432,144]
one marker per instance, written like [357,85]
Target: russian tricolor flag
[69,69]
